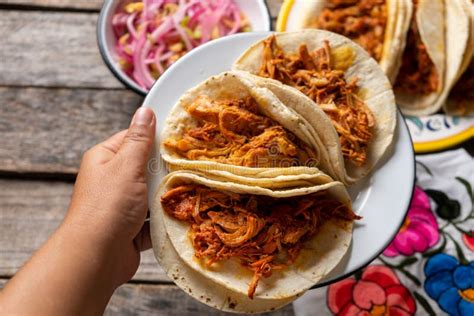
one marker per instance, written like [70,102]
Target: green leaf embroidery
[424,302]
[459,252]
[407,261]
[468,187]
[410,276]
[402,270]
[425,167]
[435,251]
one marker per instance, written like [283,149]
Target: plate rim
[376,255]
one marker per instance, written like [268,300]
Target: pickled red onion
[161,31]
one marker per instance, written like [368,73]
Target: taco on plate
[228,125]
[439,43]
[461,97]
[314,69]
[264,244]
[377,25]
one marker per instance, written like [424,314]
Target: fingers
[112,144]
[105,151]
[143,239]
[137,143]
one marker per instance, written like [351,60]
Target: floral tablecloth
[428,269]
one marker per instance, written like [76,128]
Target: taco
[435,53]
[265,244]
[197,285]
[461,97]
[314,69]
[271,178]
[229,125]
[377,25]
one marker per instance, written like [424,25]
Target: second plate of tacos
[315,70]
[461,97]
[438,49]
[379,26]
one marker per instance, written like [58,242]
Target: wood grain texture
[30,211]
[151,299]
[132,299]
[47,130]
[273,5]
[55,49]
[64,4]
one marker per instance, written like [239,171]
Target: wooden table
[57,99]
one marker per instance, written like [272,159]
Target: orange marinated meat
[232,131]
[418,74]
[313,74]
[265,234]
[462,94]
[363,21]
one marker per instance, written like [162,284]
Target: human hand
[109,202]
[97,247]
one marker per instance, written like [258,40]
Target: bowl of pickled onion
[140,39]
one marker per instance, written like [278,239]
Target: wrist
[68,267]
[91,249]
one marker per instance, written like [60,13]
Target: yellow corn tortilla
[376,93]
[319,256]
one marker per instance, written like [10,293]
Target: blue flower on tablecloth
[450,284]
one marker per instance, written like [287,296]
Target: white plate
[382,198]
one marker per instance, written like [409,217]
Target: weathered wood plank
[68,4]
[56,49]
[150,299]
[30,211]
[133,299]
[273,5]
[47,130]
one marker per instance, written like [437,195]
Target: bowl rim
[113,66]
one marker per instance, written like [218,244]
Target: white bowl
[256,12]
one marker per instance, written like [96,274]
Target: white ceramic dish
[382,198]
[256,11]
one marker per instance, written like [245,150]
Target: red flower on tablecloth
[469,241]
[378,292]
[420,230]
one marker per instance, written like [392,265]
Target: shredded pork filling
[417,75]
[462,94]
[263,233]
[363,21]
[315,75]
[233,132]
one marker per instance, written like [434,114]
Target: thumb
[138,141]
